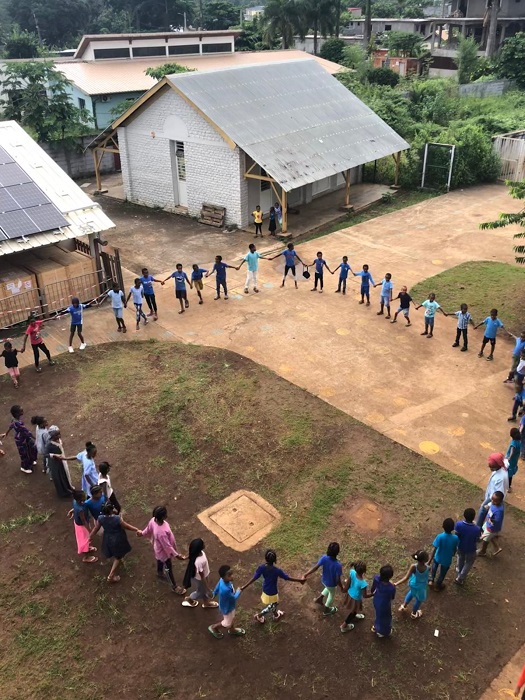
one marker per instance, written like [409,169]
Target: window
[216,48]
[181,160]
[148,51]
[81,103]
[111,53]
[265,185]
[182,49]
[388,27]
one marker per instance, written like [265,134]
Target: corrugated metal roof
[128,75]
[293,118]
[84,215]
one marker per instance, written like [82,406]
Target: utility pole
[493,28]
[367,28]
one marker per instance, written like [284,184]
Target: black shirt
[404,300]
[11,359]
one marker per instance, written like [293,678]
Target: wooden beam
[259,177]
[284,207]
[397,160]
[252,166]
[347,188]
[97,170]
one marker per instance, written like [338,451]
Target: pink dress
[162,538]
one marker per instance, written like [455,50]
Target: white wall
[214,172]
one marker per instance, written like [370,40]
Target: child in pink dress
[164,546]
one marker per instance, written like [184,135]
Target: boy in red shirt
[37,344]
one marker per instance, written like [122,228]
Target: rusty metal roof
[294,119]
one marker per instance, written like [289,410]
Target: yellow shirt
[257,216]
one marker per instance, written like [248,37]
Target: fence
[487,89]
[74,161]
[511,151]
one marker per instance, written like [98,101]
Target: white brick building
[245,136]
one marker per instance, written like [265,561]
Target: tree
[253,37]
[121,107]
[333,50]
[466,59]
[39,99]
[57,23]
[219,14]
[319,16]
[21,44]
[494,7]
[404,44]
[281,19]
[385,8]
[517,191]
[158,72]
[353,56]
[511,59]
[383,76]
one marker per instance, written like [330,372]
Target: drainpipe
[94,105]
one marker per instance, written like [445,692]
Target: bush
[382,76]
[466,59]
[333,50]
[511,59]
[353,56]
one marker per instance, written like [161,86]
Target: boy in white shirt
[118,304]
[137,292]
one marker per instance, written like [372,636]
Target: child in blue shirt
[320,264]
[332,571]
[181,294]
[196,280]
[357,589]
[468,535]
[149,295]
[513,454]
[492,325]
[492,525]
[431,306]
[76,312]
[366,281]
[227,602]
[445,548]
[343,275]
[220,269]
[386,294]
[137,292]
[290,258]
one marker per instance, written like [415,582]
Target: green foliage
[354,56]
[385,8]
[281,20]
[404,44]
[21,44]
[511,59]
[333,50]
[38,99]
[254,37]
[383,76]
[219,14]
[466,60]
[59,22]
[121,107]
[516,191]
[158,72]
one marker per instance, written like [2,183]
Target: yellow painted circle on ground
[456,431]
[267,302]
[375,417]
[326,391]
[361,322]
[428,447]
[249,348]
[400,401]
[486,446]
[343,331]
[285,369]
[437,262]
[464,415]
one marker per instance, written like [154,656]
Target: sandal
[260,618]
[190,603]
[211,604]
[178,590]
[217,635]
[113,579]
[92,549]
[237,632]
[278,615]
[90,560]
[416,615]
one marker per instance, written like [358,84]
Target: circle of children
[95,505]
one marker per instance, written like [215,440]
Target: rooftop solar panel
[46,217]
[5,157]
[27,195]
[12,174]
[16,224]
[7,203]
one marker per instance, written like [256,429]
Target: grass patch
[32,518]
[482,285]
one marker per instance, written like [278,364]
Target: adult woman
[89,470]
[24,441]
[115,541]
[57,463]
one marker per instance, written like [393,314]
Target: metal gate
[16,309]
[511,150]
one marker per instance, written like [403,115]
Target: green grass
[482,285]
[32,518]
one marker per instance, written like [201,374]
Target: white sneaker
[70,348]
[82,346]
[26,471]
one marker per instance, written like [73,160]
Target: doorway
[178,172]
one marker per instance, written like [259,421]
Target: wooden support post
[284,206]
[397,163]
[347,188]
[97,170]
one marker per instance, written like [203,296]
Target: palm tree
[281,20]
[320,16]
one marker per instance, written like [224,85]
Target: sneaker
[82,346]
[347,628]
[359,616]
[246,290]
[52,362]
[331,611]
[416,615]
[490,358]
[70,349]
[464,349]
[455,345]
[26,471]
[38,369]
[458,581]
[256,290]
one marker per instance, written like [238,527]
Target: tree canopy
[404,44]
[511,59]
[158,72]
[517,191]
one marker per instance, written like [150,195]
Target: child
[272,221]
[89,470]
[468,535]
[180,278]
[149,295]
[137,292]
[115,543]
[404,305]
[366,281]
[464,318]
[492,525]
[517,354]
[492,325]
[332,571]
[37,344]
[197,575]
[445,547]
[164,546]
[41,439]
[11,362]
[290,258]
[519,375]
[24,440]
[220,269]
[77,316]
[81,518]
[227,602]
[519,399]
[257,220]
[383,592]
[343,275]
[270,595]
[357,589]
[278,213]
[417,577]
[252,258]
[431,306]
[104,482]
[196,280]
[118,303]
[513,454]
[320,264]
[95,503]
[386,294]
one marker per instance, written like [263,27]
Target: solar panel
[12,174]
[5,157]
[16,224]
[27,195]
[7,203]
[46,217]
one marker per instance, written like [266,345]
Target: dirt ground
[186,426]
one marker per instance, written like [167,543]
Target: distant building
[399,64]
[250,13]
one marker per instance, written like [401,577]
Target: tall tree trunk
[338,18]
[493,27]
[367,28]
[315,37]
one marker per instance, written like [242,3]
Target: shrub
[333,50]
[383,76]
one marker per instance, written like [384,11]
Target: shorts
[227,620]
[118,312]
[76,327]
[385,300]
[14,371]
[328,592]
[489,536]
[429,321]
[403,311]
[180,294]
[289,267]
[269,599]
[492,341]
[198,284]
[365,289]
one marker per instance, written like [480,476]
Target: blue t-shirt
[386,288]
[357,586]
[220,269]
[227,596]
[197,274]
[289,257]
[253,261]
[319,264]
[366,278]
[147,283]
[332,570]
[95,507]
[494,521]
[520,345]
[180,280]
[343,271]
[76,314]
[492,327]
[446,545]
[468,535]
[271,575]
[513,461]
[79,508]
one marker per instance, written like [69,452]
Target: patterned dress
[25,443]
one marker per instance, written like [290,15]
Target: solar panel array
[24,208]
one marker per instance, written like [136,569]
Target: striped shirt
[463,319]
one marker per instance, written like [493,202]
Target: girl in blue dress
[384,593]
[89,469]
[417,577]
